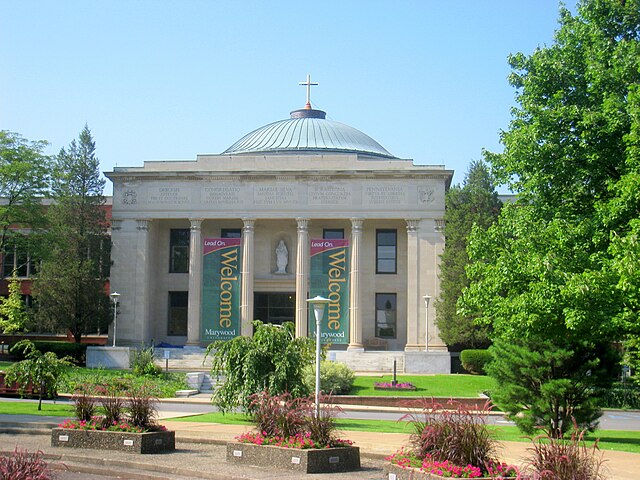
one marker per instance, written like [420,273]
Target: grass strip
[426,386]
[31,408]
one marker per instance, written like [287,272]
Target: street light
[426,323]
[318,303]
[114,296]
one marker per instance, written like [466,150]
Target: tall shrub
[272,360]
[41,371]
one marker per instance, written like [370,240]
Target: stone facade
[288,197]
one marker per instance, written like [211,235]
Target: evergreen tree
[71,286]
[474,203]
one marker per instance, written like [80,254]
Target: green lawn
[427,385]
[31,408]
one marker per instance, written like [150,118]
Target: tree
[42,371]
[474,203]
[272,360]
[24,173]
[556,269]
[555,383]
[70,288]
[13,313]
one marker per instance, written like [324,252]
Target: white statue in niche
[282,257]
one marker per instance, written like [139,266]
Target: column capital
[412,224]
[143,224]
[116,224]
[248,224]
[303,224]
[196,224]
[356,224]
[440,224]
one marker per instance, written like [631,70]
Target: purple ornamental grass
[22,465]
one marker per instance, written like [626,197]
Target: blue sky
[161,80]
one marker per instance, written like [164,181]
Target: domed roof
[307,130]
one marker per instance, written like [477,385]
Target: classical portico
[288,183]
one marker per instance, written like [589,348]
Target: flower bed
[293,435]
[405,465]
[132,442]
[301,460]
[128,425]
[391,386]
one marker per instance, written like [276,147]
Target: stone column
[142,329]
[355,297]
[414,297]
[246,296]
[195,283]
[302,273]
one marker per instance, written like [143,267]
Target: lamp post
[114,296]
[319,304]
[426,323]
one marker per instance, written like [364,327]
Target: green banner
[330,279]
[221,284]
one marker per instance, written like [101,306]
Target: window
[179,250]
[333,233]
[231,233]
[386,315]
[275,308]
[386,251]
[178,309]
[17,261]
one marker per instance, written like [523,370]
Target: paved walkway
[201,453]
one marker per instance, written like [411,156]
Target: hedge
[474,361]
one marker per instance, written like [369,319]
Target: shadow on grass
[614,440]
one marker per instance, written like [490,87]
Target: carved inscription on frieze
[327,194]
[385,195]
[223,195]
[168,196]
[275,194]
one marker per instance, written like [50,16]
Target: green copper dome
[307,130]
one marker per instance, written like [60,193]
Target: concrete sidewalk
[200,452]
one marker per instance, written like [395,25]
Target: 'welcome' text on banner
[330,279]
[221,289]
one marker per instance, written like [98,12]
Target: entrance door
[275,308]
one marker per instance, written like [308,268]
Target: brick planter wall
[326,460]
[148,442]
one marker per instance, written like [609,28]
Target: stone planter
[394,472]
[148,442]
[325,460]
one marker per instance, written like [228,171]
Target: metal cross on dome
[308,83]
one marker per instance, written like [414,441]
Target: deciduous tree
[13,312]
[24,174]
[557,267]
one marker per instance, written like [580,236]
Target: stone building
[272,194]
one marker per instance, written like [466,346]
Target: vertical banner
[330,279]
[221,283]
